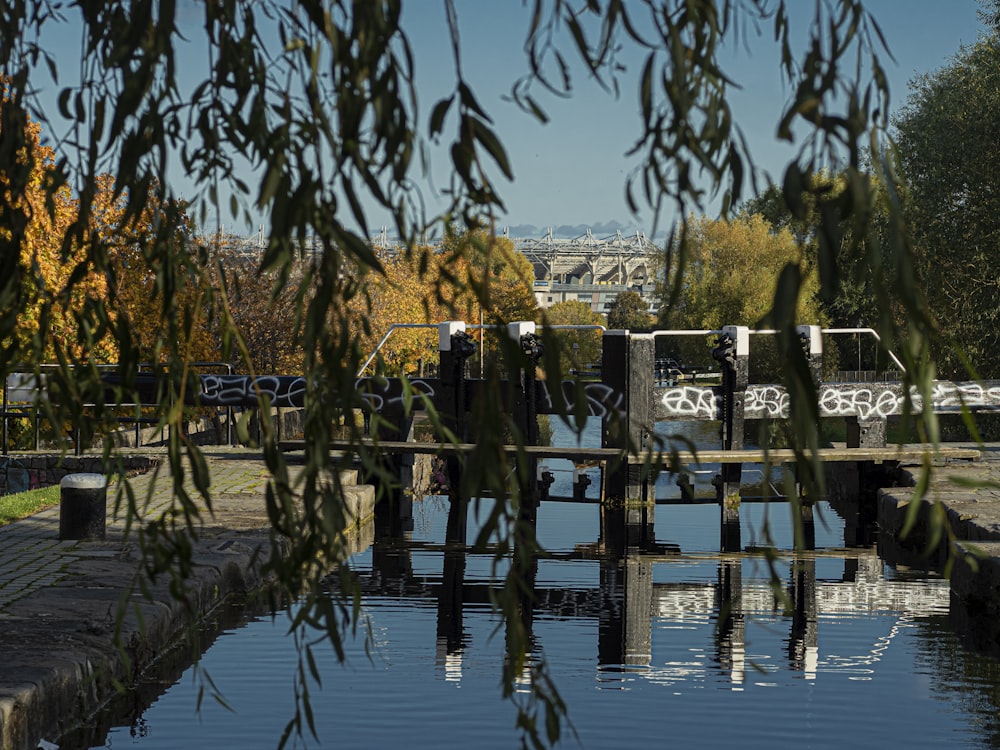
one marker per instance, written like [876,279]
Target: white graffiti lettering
[602,400]
[688,402]
[766,402]
[234,390]
[380,400]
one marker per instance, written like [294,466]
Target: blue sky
[571,172]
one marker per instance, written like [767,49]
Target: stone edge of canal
[58,659]
[60,663]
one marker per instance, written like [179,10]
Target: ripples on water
[863,659]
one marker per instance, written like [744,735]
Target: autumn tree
[60,289]
[734,269]
[580,348]
[402,294]
[487,282]
[495,280]
[161,323]
[262,307]
[629,311]
[471,276]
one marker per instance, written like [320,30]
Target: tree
[990,13]
[485,281]
[492,278]
[735,267]
[60,288]
[403,293]
[474,276]
[948,141]
[854,300]
[172,323]
[263,309]
[580,348]
[332,137]
[629,311]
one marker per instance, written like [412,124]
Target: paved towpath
[58,599]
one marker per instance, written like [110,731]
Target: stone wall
[22,473]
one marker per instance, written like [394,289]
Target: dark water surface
[863,657]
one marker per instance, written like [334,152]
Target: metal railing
[24,388]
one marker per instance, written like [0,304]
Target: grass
[23,504]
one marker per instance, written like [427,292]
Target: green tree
[629,311]
[735,267]
[948,140]
[580,348]
[329,123]
[854,300]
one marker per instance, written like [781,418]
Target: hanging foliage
[316,100]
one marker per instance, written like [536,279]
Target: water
[864,658]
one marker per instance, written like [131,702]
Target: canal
[671,644]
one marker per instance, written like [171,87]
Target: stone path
[58,599]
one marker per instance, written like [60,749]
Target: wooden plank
[777,456]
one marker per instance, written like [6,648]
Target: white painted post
[83,506]
[446,330]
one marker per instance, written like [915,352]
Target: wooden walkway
[897,453]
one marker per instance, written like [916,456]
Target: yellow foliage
[60,290]
[144,251]
[473,277]
[733,270]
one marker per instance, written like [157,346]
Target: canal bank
[955,530]
[59,599]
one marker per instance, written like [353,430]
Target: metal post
[803,640]
[454,348]
[732,351]
[82,506]
[5,404]
[812,346]
[731,628]
[627,372]
[614,430]
[866,433]
[526,411]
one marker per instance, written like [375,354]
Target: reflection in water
[635,628]
[628,602]
[649,632]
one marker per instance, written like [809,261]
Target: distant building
[592,270]
[584,269]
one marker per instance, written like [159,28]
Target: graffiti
[687,402]
[386,394]
[766,402]
[602,400]
[864,402]
[977,396]
[241,390]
